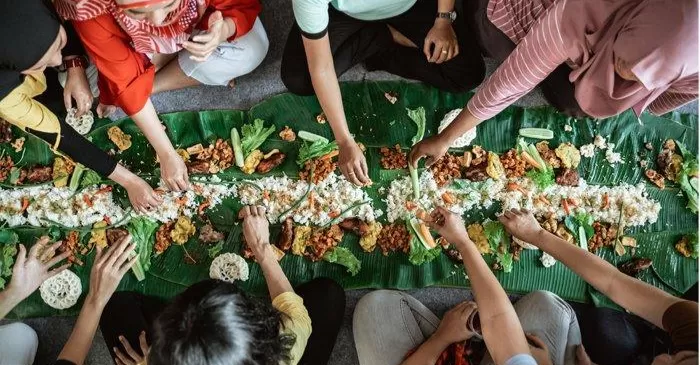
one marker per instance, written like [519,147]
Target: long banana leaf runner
[376,123]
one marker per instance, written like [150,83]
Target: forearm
[632,294]
[8,300]
[445,6]
[463,123]
[147,120]
[428,353]
[326,86]
[277,282]
[80,340]
[500,325]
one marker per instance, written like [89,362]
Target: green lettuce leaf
[506,261]
[7,259]
[417,116]
[343,256]
[90,178]
[688,178]
[142,232]
[214,250]
[542,179]
[419,254]
[309,151]
[254,135]
[581,226]
[495,232]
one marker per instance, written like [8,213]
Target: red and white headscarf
[146,37]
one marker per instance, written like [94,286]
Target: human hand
[352,163]
[109,267]
[174,172]
[256,230]
[432,148]
[443,40]
[141,195]
[77,88]
[203,45]
[131,357]
[522,224]
[582,357]
[32,269]
[538,349]
[104,111]
[449,225]
[453,327]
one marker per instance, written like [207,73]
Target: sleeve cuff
[314,36]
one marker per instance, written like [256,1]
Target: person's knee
[546,300]
[22,333]
[464,77]
[373,304]
[332,291]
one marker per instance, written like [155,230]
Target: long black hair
[215,323]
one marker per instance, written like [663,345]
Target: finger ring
[351,173]
[444,52]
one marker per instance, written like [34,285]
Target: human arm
[539,53]
[452,329]
[108,268]
[126,80]
[242,14]
[30,270]
[500,325]
[630,293]
[77,86]
[256,230]
[680,93]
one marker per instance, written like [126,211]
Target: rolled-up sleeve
[540,52]
[242,12]
[125,76]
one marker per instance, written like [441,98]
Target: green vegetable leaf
[15,174]
[214,250]
[309,151]
[581,226]
[254,135]
[495,232]
[8,237]
[693,243]
[7,259]
[506,261]
[55,233]
[142,232]
[417,116]
[419,254]
[343,256]
[542,179]
[688,177]
[90,178]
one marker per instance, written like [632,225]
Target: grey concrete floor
[249,90]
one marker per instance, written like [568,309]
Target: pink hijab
[658,39]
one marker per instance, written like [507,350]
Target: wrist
[439,341]
[442,22]
[124,177]
[265,253]
[11,295]
[93,301]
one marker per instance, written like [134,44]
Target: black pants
[129,313]
[557,88]
[354,41]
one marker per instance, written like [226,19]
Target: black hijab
[27,29]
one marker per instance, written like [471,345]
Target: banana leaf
[376,122]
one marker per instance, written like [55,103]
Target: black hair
[215,323]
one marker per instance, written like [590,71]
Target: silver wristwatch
[451,15]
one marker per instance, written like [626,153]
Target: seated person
[19,342]
[422,40]
[144,47]
[596,58]
[32,41]
[214,322]
[677,316]
[388,325]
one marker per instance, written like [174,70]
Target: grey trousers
[388,324]
[18,344]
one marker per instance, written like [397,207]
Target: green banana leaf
[376,122]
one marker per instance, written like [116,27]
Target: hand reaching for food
[432,148]
[522,224]
[352,163]
[449,225]
[141,195]
[109,267]
[256,229]
[174,172]
[31,269]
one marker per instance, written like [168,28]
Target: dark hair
[215,323]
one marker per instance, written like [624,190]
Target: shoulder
[681,322]
[81,9]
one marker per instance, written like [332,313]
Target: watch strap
[451,15]
[79,61]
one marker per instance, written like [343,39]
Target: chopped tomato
[266,194]
[25,204]
[107,219]
[197,189]
[606,201]
[106,189]
[334,214]
[203,206]
[181,201]
[410,205]
[565,205]
[87,200]
[312,199]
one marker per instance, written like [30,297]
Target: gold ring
[444,52]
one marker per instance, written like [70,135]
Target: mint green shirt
[312,15]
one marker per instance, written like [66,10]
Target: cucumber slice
[237,148]
[311,137]
[537,133]
[415,227]
[75,178]
[582,239]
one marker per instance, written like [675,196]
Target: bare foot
[400,38]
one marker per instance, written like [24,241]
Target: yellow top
[295,321]
[20,108]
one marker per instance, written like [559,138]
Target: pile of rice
[469,195]
[170,210]
[334,194]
